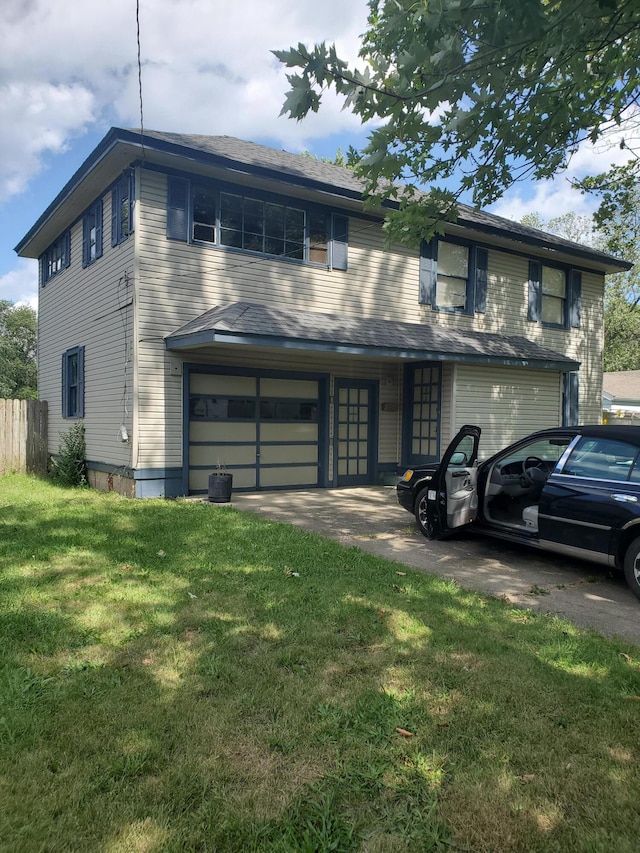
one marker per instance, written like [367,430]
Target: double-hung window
[200,212]
[555,296]
[56,258]
[453,276]
[73,383]
[92,234]
[122,202]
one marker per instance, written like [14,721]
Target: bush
[69,467]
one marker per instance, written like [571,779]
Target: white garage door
[264,431]
[507,402]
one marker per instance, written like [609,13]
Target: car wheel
[424,515]
[632,567]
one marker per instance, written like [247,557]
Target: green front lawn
[177,676]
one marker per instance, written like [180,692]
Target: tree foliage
[618,222]
[18,371]
[471,96]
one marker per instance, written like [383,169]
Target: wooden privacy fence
[23,436]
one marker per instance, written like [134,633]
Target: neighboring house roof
[305,171]
[622,386]
[261,325]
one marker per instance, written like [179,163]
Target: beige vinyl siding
[388,374]
[91,307]
[178,281]
[506,402]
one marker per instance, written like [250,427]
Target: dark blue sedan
[572,490]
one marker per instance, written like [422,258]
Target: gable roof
[261,325]
[263,162]
[622,385]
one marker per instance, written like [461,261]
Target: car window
[463,452]
[602,459]
[547,449]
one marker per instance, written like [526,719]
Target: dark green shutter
[481,266]
[428,271]
[67,249]
[339,241]
[177,208]
[575,299]
[535,291]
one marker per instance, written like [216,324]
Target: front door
[355,431]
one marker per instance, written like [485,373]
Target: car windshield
[546,449]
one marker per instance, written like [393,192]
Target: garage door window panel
[221,409]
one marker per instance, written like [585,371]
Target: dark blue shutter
[177,208]
[535,291]
[99,229]
[575,299]
[114,216]
[67,249]
[132,200]
[339,242]
[571,399]
[428,271]
[86,230]
[481,266]
[80,412]
[65,395]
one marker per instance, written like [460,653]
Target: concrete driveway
[370,518]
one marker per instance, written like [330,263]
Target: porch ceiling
[250,324]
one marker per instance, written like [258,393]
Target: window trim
[68,356]
[572,299]
[477,276]
[180,220]
[123,189]
[95,213]
[64,242]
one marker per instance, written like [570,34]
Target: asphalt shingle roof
[329,176]
[386,337]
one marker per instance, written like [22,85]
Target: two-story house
[209,301]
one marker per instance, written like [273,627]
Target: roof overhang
[268,167]
[254,325]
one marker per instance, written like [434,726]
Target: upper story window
[56,258]
[122,202]
[92,234]
[73,383]
[453,276]
[203,213]
[555,296]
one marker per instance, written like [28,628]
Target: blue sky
[68,72]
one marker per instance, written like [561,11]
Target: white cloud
[20,285]
[71,65]
[556,197]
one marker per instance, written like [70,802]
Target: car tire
[423,514]
[632,567]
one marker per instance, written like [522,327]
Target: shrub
[69,467]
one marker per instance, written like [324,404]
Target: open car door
[454,500]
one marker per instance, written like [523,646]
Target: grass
[175,676]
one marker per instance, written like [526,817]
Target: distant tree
[347,161]
[18,371]
[571,226]
[617,220]
[470,96]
